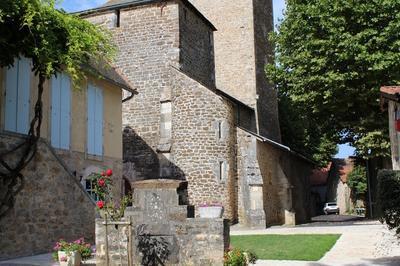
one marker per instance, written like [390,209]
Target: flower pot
[73,259]
[211,212]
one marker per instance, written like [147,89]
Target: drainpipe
[129,97]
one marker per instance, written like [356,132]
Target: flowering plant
[237,256]
[103,184]
[78,245]
[211,204]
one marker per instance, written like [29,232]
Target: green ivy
[357,181]
[54,40]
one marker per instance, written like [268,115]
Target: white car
[331,207]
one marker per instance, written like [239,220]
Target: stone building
[80,134]
[204,111]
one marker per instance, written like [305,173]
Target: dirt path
[361,243]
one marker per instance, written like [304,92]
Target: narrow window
[17,95]
[95,121]
[60,111]
[221,171]
[219,130]
[118,23]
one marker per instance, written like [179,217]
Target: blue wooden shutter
[10,122]
[95,121]
[99,122]
[60,111]
[17,96]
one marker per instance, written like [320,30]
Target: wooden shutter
[17,96]
[95,121]
[60,111]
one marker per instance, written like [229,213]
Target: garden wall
[52,205]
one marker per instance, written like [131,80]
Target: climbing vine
[55,42]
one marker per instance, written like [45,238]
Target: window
[221,130]
[222,171]
[118,22]
[17,95]
[95,121]
[89,187]
[60,111]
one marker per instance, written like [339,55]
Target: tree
[332,56]
[55,41]
[357,181]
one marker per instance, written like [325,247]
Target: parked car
[331,207]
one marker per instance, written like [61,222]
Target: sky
[279,6]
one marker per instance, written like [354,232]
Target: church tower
[241,51]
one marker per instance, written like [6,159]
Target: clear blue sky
[279,6]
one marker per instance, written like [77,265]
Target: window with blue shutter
[17,95]
[60,111]
[95,121]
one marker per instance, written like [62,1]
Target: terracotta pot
[211,212]
[73,259]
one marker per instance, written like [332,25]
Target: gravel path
[361,243]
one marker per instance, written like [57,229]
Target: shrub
[357,181]
[389,198]
[238,257]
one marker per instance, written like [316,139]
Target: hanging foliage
[55,41]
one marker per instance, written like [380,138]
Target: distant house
[390,100]
[81,134]
[329,184]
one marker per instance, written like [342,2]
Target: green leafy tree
[357,181]
[55,41]
[332,56]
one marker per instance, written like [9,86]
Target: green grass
[286,247]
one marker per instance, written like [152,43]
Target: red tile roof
[345,169]
[320,176]
[390,89]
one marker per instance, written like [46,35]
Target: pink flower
[63,258]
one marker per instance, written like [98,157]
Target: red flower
[103,173]
[101,182]
[100,204]
[109,172]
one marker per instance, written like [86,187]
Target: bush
[389,198]
[238,257]
[357,181]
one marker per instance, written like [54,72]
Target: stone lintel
[158,184]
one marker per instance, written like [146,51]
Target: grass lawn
[286,247]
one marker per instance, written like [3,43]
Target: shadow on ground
[336,218]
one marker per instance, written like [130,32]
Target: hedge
[389,198]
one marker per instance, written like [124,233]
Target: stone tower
[241,52]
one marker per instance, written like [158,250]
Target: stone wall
[297,169]
[196,47]
[273,184]
[148,42]
[204,143]
[51,205]
[158,229]
[241,52]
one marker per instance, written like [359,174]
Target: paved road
[356,247]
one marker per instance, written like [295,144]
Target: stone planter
[211,212]
[73,259]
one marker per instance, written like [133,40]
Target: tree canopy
[332,56]
[55,41]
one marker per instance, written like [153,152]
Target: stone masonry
[204,111]
[158,229]
[52,205]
